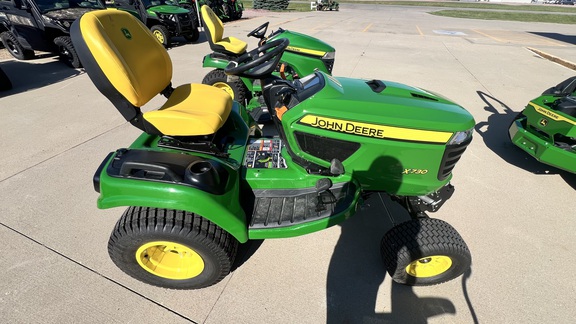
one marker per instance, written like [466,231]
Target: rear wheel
[423,252]
[67,52]
[15,48]
[171,249]
[162,34]
[234,87]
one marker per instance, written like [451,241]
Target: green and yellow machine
[304,55]
[546,128]
[202,179]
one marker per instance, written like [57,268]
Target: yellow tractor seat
[214,30]
[130,67]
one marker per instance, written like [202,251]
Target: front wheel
[14,47]
[233,86]
[67,52]
[423,252]
[162,34]
[171,249]
[193,36]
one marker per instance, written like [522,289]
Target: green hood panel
[396,105]
[167,9]
[304,44]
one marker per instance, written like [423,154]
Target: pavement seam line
[59,153]
[97,273]
[465,68]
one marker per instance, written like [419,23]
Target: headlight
[460,137]
[329,56]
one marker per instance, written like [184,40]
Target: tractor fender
[213,61]
[222,208]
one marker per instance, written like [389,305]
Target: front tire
[423,252]
[171,249]
[14,47]
[162,34]
[67,52]
[192,37]
[234,87]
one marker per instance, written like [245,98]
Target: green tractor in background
[164,19]
[303,56]
[546,128]
[202,178]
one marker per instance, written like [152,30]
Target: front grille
[184,20]
[451,156]
[329,63]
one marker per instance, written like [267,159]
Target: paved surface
[515,214]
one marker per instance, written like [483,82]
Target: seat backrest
[213,26]
[122,57]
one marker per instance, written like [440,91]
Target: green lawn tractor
[165,19]
[202,179]
[546,128]
[303,56]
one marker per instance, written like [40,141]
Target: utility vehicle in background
[164,18]
[30,25]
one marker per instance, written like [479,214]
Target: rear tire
[162,34]
[67,52]
[423,252]
[235,87]
[14,47]
[171,249]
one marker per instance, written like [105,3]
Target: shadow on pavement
[357,271]
[494,132]
[26,76]
[570,39]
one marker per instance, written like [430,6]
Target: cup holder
[202,173]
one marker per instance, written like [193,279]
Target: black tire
[238,14]
[423,252]
[67,52]
[144,237]
[192,37]
[162,34]
[234,87]
[14,47]
[5,83]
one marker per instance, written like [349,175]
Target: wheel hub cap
[429,266]
[170,260]
[159,36]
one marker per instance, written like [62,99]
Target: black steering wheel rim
[260,31]
[246,64]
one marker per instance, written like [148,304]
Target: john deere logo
[543,122]
[126,33]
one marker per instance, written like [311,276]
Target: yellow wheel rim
[159,36]
[429,266]
[170,260]
[226,87]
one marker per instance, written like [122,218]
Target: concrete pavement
[514,213]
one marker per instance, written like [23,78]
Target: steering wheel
[260,31]
[259,62]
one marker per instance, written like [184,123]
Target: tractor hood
[386,103]
[168,9]
[304,44]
